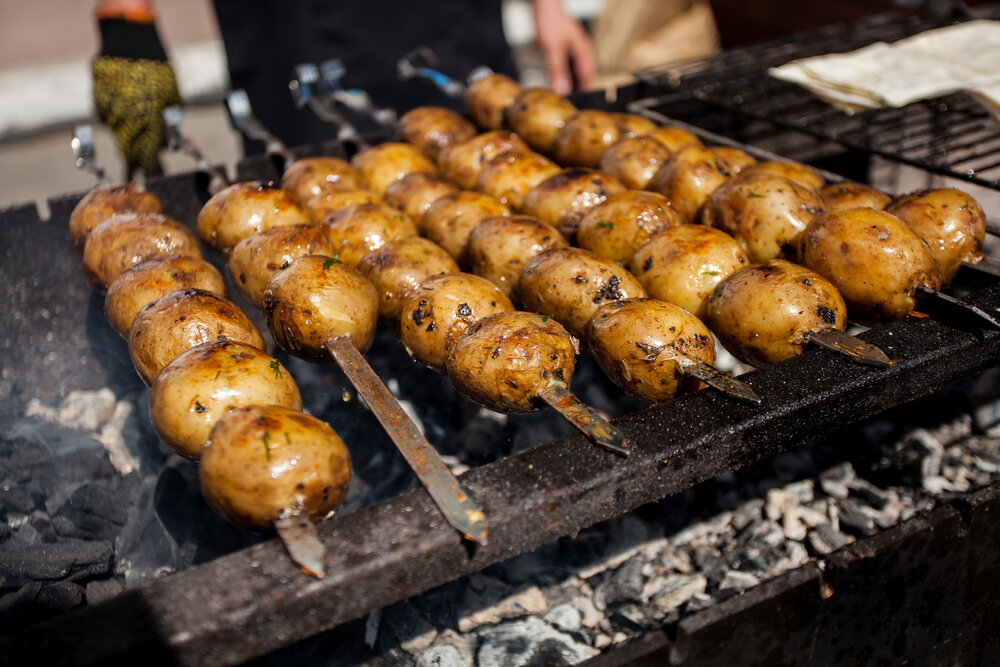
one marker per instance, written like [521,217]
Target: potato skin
[763,313]
[174,323]
[675,138]
[802,174]
[354,231]
[682,265]
[197,388]
[313,176]
[128,239]
[537,115]
[488,98]
[565,197]
[321,207]
[317,298]
[583,139]
[508,178]
[449,221]
[634,125]
[688,178]
[499,247]
[433,129]
[949,221]
[852,195]
[105,202]
[463,161]
[242,209]
[621,224]
[634,160]
[503,360]
[144,283]
[400,266]
[436,313]
[264,462]
[256,258]
[382,165]
[570,284]
[637,342]
[873,259]
[737,158]
[764,213]
[414,193]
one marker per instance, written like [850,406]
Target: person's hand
[133,83]
[568,49]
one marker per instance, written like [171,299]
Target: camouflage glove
[133,83]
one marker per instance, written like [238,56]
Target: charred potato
[634,160]
[255,259]
[764,313]
[563,198]
[499,247]
[128,239]
[583,139]
[321,207]
[105,202]
[243,209]
[508,178]
[802,174]
[634,125]
[488,97]
[398,267]
[852,195]
[174,323]
[873,259]
[624,222]
[433,129]
[737,158]
[354,231]
[463,161]
[414,193]
[688,178]
[537,115]
[638,342]
[314,176]
[382,165]
[266,462]
[504,360]
[449,221]
[197,388]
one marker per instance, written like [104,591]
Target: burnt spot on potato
[826,314]
[611,291]
[649,262]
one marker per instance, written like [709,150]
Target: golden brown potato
[764,313]
[634,160]
[565,197]
[414,193]
[256,258]
[583,139]
[674,138]
[852,195]
[243,209]
[321,207]
[949,221]
[382,165]
[144,283]
[398,267]
[107,201]
[499,247]
[537,115]
[508,178]
[488,97]
[637,343]
[873,259]
[737,158]
[197,388]
[441,308]
[314,176]
[463,161]
[621,224]
[802,174]
[764,213]
[178,321]
[128,239]
[688,178]
[267,462]
[450,220]
[569,284]
[634,125]
[682,265]
[354,231]
[317,298]
[433,129]
[504,360]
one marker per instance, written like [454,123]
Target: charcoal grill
[253,600]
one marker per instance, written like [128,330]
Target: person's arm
[568,49]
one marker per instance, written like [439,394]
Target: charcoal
[565,617]
[96,511]
[869,494]
[624,585]
[737,580]
[144,549]
[530,641]
[59,597]
[631,618]
[69,558]
[12,603]
[102,589]
[825,539]
[409,628]
[745,515]
[441,656]
[834,480]
[671,592]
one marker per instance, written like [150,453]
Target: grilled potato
[737,158]
[565,197]
[634,160]
[675,138]
[322,206]
[462,162]
[537,115]
[449,221]
[508,178]
[623,222]
[688,178]
[499,247]
[105,202]
[314,176]
[852,195]
[414,193]
[433,129]
[398,267]
[243,209]
[256,258]
[802,174]
[634,125]
[583,139]
[488,98]
[382,165]
[354,231]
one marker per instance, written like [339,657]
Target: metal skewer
[419,64]
[852,346]
[583,417]
[242,117]
[716,379]
[959,309]
[82,144]
[176,140]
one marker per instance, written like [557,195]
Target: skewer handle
[242,117]
[584,418]
[957,308]
[301,539]
[718,380]
[852,346]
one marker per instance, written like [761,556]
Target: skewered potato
[688,178]
[563,198]
[197,388]
[314,176]
[256,258]
[318,298]
[354,231]
[802,174]
[634,125]
[144,283]
[509,178]
[638,341]
[398,267]
[499,247]
[764,213]
[764,313]
[675,138]
[243,209]
[433,129]
[414,193]
[583,139]
[737,158]
[682,265]
[488,97]
[873,259]
[537,115]
[569,284]
[128,239]
[504,360]
[174,323]
[382,165]
[949,221]
[852,195]
[105,202]
[623,222]
[634,160]
[449,221]
[436,313]
[322,206]
[463,161]
[266,462]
